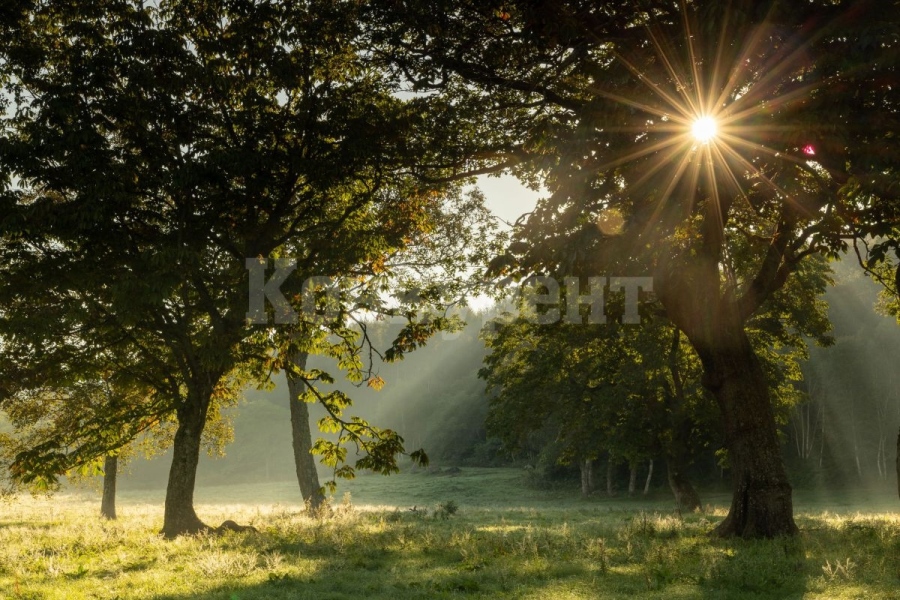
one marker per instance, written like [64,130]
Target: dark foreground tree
[148,151]
[673,137]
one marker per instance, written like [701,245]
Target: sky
[506,197]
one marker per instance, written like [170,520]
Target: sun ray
[695,69]
[719,215]
[738,141]
[673,102]
[680,85]
[776,67]
[730,172]
[739,64]
[715,106]
[686,160]
[653,148]
[707,109]
[778,101]
[662,161]
[682,118]
[756,171]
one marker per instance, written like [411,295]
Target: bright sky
[506,197]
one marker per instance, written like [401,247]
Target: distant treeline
[843,434]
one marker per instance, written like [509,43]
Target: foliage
[148,150]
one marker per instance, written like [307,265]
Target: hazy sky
[506,197]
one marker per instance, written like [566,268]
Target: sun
[704,129]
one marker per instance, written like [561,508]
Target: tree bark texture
[179,517]
[587,476]
[761,504]
[301,436]
[713,320]
[108,501]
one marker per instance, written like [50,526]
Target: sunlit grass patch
[599,549]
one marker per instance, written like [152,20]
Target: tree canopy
[598,101]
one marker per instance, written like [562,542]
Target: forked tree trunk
[179,517]
[587,476]
[108,501]
[761,504]
[713,317]
[304,462]
[686,497]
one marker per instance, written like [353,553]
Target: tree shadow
[751,569]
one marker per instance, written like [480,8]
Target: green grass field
[506,541]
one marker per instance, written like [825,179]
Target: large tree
[149,149]
[674,137]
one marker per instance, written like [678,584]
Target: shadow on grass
[756,569]
[644,564]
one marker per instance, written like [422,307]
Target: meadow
[481,533]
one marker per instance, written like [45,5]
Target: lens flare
[704,129]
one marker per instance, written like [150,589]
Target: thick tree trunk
[761,504]
[108,502]
[304,461]
[179,517]
[713,314]
[649,478]
[686,497]
[587,476]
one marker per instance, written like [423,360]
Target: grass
[504,541]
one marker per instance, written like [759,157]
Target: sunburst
[711,114]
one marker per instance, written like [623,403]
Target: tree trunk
[898,464]
[108,503]
[610,466]
[305,463]
[713,316]
[649,478]
[632,478]
[761,504]
[180,517]
[587,476]
[686,497]
[677,446]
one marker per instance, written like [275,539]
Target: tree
[600,101]
[148,151]
[70,423]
